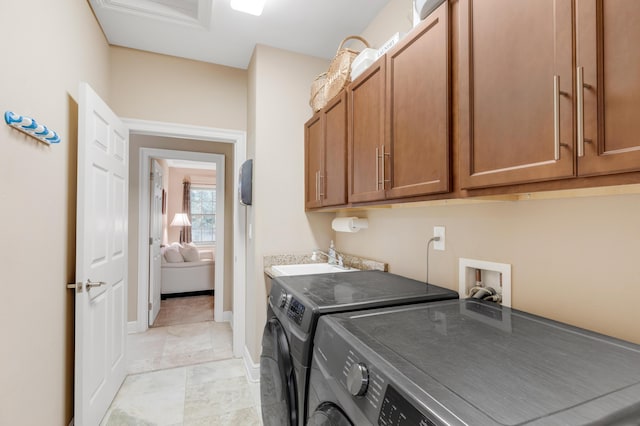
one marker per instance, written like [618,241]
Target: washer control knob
[358,379]
[282,302]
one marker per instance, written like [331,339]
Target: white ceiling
[210,31]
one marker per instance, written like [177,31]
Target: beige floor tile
[214,371]
[162,408]
[189,377]
[242,417]
[220,397]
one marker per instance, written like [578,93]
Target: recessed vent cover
[193,12]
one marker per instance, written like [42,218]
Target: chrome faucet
[333,258]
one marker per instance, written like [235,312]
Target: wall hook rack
[30,127]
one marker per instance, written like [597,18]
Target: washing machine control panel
[296,311]
[367,389]
[396,410]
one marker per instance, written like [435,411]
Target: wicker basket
[318,100]
[339,74]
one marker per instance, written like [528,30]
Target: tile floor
[184,374]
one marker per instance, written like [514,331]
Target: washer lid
[513,367]
[363,290]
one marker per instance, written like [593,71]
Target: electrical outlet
[438,231]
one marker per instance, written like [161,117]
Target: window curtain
[186,208]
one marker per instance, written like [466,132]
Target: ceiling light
[252,7]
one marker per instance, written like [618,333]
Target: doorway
[181,279]
[237,216]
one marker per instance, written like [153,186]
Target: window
[203,215]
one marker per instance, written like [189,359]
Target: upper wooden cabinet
[418,110]
[608,86]
[366,134]
[525,113]
[313,149]
[515,84]
[326,155]
[399,118]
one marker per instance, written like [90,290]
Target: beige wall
[156,87]
[174,194]
[279,106]
[572,259]
[49,47]
[396,16]
[140,141]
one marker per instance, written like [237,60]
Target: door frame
[210,134]
[144,212]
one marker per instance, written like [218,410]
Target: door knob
[90,284]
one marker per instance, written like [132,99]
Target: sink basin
[309,268]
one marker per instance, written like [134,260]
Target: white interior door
[101,258]
[155,239]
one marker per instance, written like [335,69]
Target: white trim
[238,139]
[227,316]
[132,327]
[251,368]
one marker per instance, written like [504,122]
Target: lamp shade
[180,219]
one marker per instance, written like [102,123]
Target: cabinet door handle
[556,117]
[377,168]
[383,156]
[382,160]
[580,109]
[318,186]
[321,185]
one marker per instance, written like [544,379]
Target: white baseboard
[132,327]
[252,369]
[227,316]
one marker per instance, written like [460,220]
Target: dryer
[294,305]
[468,362]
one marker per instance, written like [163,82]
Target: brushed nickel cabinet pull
[321,185]
[580,109]
[377,168]
[384,155]
[382,160]
[556,117]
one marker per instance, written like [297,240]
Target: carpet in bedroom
[184,310]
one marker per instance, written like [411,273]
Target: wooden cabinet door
[313,146]
[334,177]
[608,63]
[511,54]
[418,110]
[366,133]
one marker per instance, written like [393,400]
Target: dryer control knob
[282,302]
[358,379]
